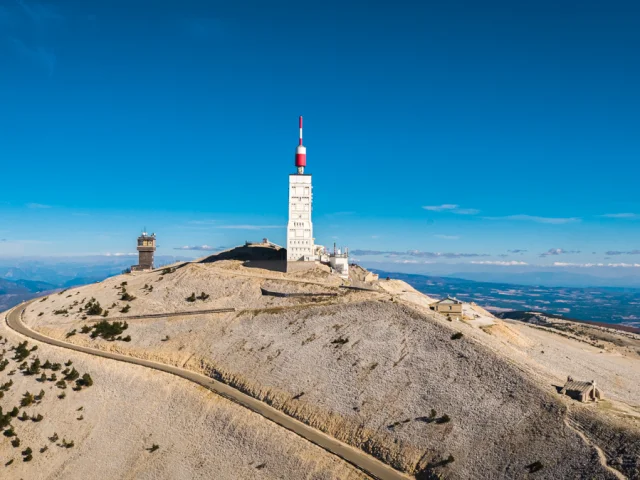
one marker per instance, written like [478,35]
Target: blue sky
[447,128]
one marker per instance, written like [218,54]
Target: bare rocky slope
[114,423]
[375,369]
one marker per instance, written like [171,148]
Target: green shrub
[203,296]
[9,432]
[85,381]
[191,298]
[68,363]
[107,330]
[8,463]
[93,307]
[127,338]
[14,413]
[71,333]
[456,336]
[85,329]
[72,375]
[535,467]
[28,458]
[34,368]
[127,297]
[24,416]
[15,442]
[21,352]
[37,418]
[125,309]
[60,312]
[153,448]
[46,364]
[27,451]
[444,419]
[27,399]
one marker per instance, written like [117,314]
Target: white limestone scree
[300,241]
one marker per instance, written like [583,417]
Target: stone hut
[450,306]
[582,391]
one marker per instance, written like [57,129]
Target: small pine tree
[87,381]
[27,399]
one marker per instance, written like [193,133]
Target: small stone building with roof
[582,391]
[450,306]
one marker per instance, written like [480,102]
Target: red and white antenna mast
[301,153]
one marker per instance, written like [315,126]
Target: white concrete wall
[300,228]
[340,264]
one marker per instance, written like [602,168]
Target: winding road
[354,456]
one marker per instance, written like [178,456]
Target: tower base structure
[300,241]
[146,250]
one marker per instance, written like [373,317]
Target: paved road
[361,460]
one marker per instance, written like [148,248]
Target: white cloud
[532,218]
[120,254]
[499,262]
[198,247]
[620,215]
[466,211]
[440,208]
[448,237]
[37,205]
[558,251]
[591,265]
[449,207]
[202,222]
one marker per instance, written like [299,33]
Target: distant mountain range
[520,275]
[25,278]
[14,292]
[598,304]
